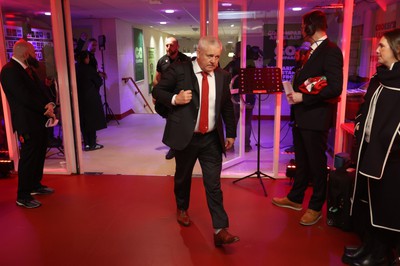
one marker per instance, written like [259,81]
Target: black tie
[30,72]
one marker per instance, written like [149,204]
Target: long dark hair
[393,39]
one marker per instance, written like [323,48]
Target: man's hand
[49,110]
[102,75]
[229,143]
[295,97]
[183,97]
[289,99]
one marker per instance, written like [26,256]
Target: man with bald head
[30,110]
[173,55]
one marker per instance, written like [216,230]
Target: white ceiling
[183,22]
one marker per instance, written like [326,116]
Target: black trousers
[89,137]
[207,149]
[31,162]
[311,161]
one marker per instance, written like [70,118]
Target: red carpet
[130,220]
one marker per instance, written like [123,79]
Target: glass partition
[33,24]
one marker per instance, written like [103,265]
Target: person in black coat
[30,110]
[376,198]
[173,55]
[312,116]
[91,111]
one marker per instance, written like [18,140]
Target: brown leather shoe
[310,217]
[183,217]
[224,237]
[287,203]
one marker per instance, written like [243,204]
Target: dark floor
[130,220]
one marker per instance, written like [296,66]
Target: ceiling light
[155,2]
[226,4]
[47,13]
[297,9]
[232,25]
[169,11]
[163,22]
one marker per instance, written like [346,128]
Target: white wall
[119,61]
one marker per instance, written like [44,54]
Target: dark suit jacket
[25,96]
[181,119]
[314,112]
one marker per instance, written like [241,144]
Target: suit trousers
[311,162]
[31,162]
[207,149]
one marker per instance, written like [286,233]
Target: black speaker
[102,42]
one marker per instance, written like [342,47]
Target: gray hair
[209,41]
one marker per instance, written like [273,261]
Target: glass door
[34,23]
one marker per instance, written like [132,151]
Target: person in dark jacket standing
[376,198]
[30,110]
[173,55]
[91,111]
[312,116]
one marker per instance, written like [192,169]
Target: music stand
[259,81]
[107,108]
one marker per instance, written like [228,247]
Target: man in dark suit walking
[313,115]
[30,109]
[199,101]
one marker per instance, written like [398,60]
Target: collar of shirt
[21,63]
[198,70]
[317,42]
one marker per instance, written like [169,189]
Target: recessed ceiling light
[47,13]
[169,11]
[163,22]
[297,8]
[226,4]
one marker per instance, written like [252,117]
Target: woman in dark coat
[91,111]
[376,198]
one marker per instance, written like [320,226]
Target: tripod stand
[108,112]
[258,173]
[262,80]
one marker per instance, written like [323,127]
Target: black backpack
[340,190]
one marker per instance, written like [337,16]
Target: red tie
[203,123]
[307,56]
